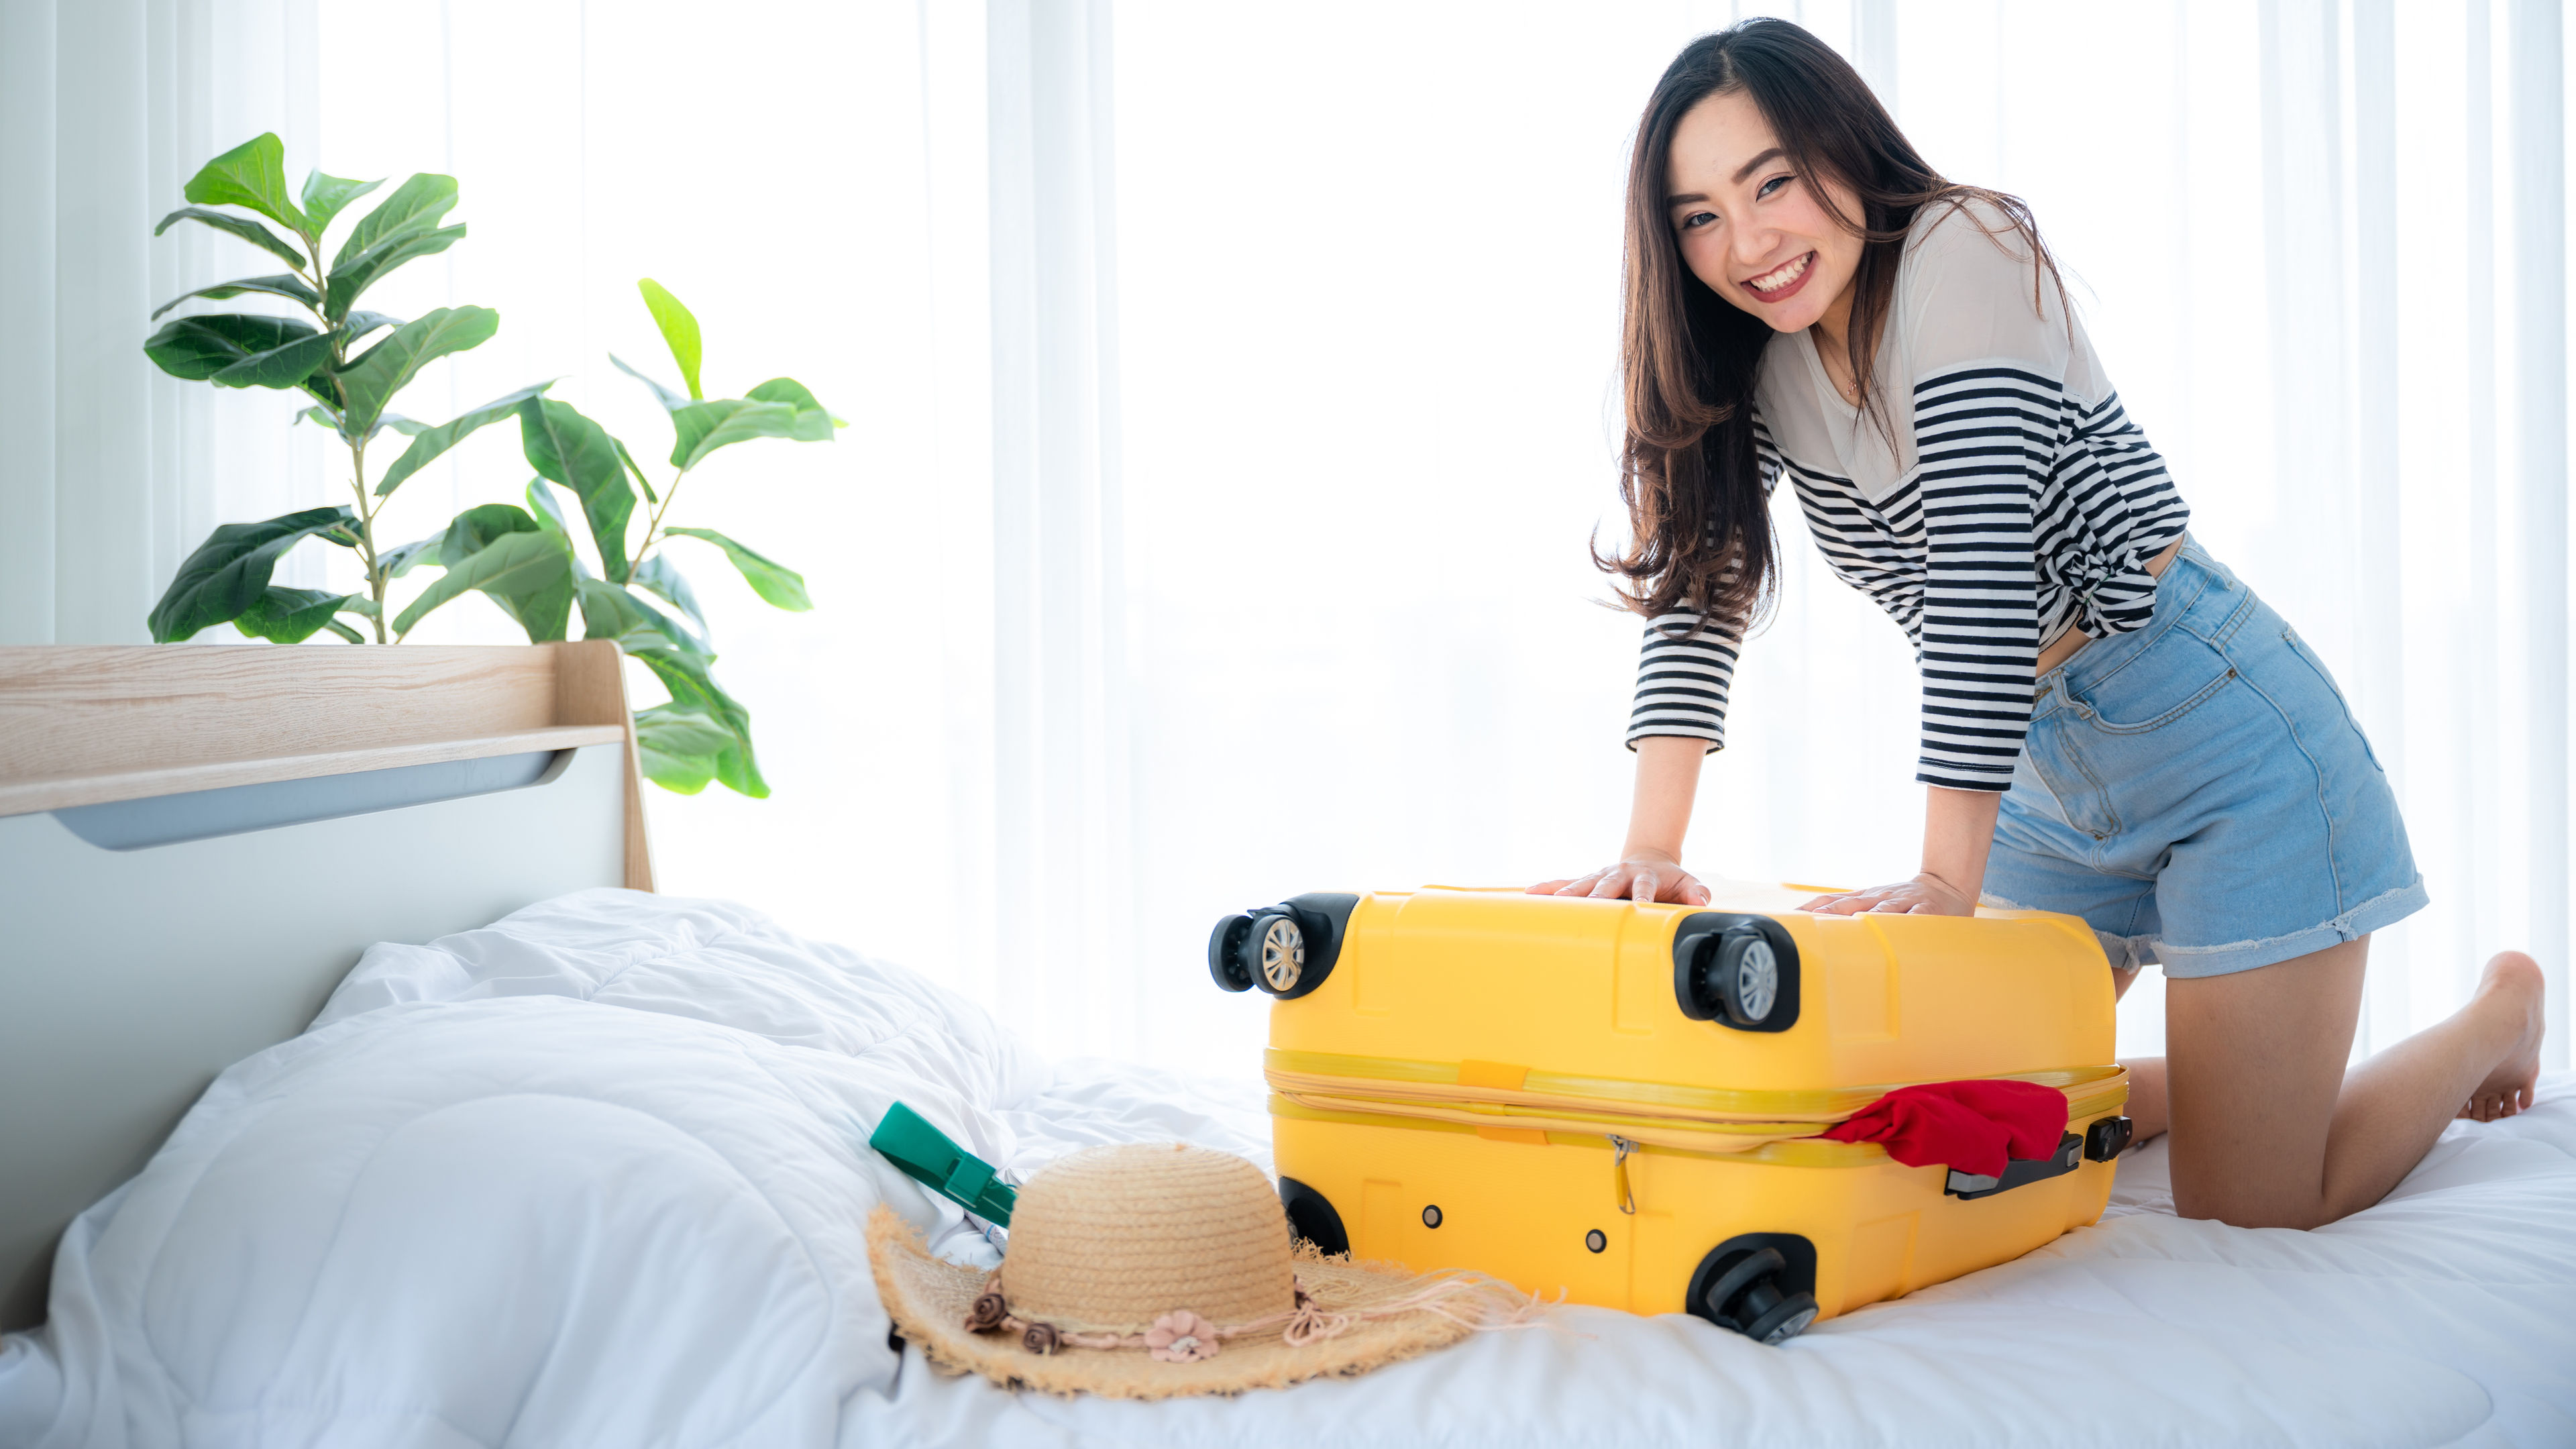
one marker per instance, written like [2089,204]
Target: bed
[593,1173]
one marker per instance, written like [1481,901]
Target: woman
[2113,725]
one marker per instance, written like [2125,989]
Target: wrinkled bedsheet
[595,1175]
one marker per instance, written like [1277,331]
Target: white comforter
[595,1175]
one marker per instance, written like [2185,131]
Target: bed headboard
[196,844]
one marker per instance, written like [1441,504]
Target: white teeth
[1782,276]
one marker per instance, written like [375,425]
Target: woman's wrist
[1958,832]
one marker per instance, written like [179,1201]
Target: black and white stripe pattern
[2028,511]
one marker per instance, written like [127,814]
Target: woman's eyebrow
[1741,172]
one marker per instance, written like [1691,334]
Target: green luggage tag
[945,1168]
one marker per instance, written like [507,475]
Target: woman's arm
[1649,866]
[1958,829]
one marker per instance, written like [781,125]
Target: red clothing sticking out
[1967,1125]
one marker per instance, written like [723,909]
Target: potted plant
[526,559]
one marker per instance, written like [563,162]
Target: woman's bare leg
[2269,1130]
[2146,1109]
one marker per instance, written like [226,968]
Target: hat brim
[929,1298]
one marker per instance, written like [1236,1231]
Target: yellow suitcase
[1619,1101]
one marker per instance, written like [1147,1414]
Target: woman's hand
[1925,895]
[1643,876]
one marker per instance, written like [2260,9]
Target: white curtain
[113,471]
[1370,285]
[1233,392]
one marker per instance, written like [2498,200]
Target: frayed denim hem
[2376,914]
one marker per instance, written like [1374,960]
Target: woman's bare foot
[2514,983]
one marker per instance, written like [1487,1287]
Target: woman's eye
[1772,185]
[1698,219]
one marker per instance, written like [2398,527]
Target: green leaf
[285,284]
[340,291]
[700,428]
[428,443]
[660,576]
[329,417]
[371,380]
[402,558]
[814,422]
[291,365]
[528,573]
[772,580]
[550,517]
[359,324]
[325,195]
[692,686]
[680,747]
[240,226]
[609,612]
[671,401]
[474,530]
[679,330]
[415,207]
[197,348]
[567,448]
[641,481]
[229,571]
[239,349]
[252,174]
[291,616]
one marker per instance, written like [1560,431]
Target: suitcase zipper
[1620,1147]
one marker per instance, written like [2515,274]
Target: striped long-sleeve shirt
[2015,499]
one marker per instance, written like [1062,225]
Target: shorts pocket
[2175,673]
[2307,656]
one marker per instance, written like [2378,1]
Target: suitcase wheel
[1287,950]
[1225,949]
[1311,1217]
[1275,950]
[1739,970]
[1760,1285]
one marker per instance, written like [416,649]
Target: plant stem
[654,528]
[367,536]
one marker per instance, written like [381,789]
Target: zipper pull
[1620,1147]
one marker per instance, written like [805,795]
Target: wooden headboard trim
[74,720]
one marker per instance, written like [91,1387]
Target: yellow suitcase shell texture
[1509,1083]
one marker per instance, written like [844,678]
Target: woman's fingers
[1629,881]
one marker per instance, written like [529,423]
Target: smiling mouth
[1783,277]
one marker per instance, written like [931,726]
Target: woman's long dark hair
[1699,523]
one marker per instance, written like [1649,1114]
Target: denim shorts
[2198,791]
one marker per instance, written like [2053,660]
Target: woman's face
[1749,227]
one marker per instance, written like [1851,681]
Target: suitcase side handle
[2019,1171]
[1737,970]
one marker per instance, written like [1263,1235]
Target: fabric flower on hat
[1039,1338]
[987,1314]
[1181,1337]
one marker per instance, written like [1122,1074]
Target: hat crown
[1110,1238]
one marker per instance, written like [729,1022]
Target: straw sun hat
[1146,1272]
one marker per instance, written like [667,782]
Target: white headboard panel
[261,816]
